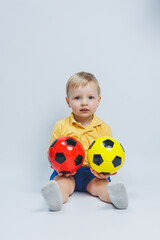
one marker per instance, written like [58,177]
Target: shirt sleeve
[107,130]
[56,133]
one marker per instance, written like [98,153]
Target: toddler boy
[83,97]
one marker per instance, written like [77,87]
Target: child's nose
[84,101]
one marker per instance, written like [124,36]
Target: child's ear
[67,100]
[99,99]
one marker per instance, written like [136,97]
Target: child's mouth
[84,110]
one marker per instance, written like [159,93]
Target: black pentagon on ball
[60,158]
[65,172]
[108,143]
[71,142]
[97,159]
[104,173]
[78,160]
[53,143]
[117,161]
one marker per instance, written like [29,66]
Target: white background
[42,43]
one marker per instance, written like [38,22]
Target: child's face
[83,101]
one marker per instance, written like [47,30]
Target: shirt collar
[95,121]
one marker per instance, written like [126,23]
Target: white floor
[24,214]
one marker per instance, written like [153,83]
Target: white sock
[118,195]
[52,195]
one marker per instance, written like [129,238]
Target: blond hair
[81,79]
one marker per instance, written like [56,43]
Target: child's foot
[52,195]
[118,195]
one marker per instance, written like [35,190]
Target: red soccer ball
[66,154]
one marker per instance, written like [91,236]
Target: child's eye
[91,97]
[77,98]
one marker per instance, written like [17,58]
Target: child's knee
[96,186]
[66,184]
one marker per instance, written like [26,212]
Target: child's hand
[67,174]
[100,175]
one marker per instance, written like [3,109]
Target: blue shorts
[82,178]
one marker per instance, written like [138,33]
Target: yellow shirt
[69,127]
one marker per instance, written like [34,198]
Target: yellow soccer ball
[106,155]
